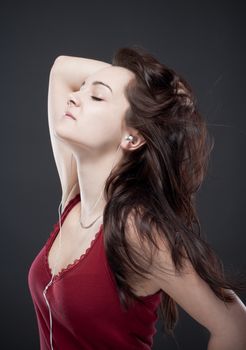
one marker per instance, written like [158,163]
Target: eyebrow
[101,83]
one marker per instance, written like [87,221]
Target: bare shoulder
[157,257]
[162,252]
[142,255]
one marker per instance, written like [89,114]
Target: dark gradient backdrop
[204,41]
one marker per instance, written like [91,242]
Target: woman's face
[99,111]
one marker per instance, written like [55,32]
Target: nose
[72,99]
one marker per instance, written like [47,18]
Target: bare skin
[84,150]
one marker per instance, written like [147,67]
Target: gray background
[202,41]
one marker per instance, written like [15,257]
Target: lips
[70,115]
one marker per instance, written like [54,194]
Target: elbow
[60,59]
[58,63]
[230,333]
[231,336]
[232,341]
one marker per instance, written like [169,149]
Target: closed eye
[96,98]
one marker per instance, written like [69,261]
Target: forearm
[73,70]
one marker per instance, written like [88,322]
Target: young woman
[131,151]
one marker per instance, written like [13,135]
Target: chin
[63,130]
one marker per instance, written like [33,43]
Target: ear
[138,140]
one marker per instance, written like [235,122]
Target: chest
[71,245]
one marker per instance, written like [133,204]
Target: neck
[92,174]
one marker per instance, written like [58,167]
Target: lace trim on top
[56,228]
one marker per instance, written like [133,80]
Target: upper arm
[58,93]
[195,296]
[189,290]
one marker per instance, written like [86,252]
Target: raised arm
[66,76]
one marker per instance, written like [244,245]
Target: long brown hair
[158,182]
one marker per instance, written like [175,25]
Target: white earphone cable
[50,282]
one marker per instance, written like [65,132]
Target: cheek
[102,130]
[101,120]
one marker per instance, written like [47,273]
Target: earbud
[129,138]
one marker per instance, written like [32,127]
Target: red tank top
[84,302]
